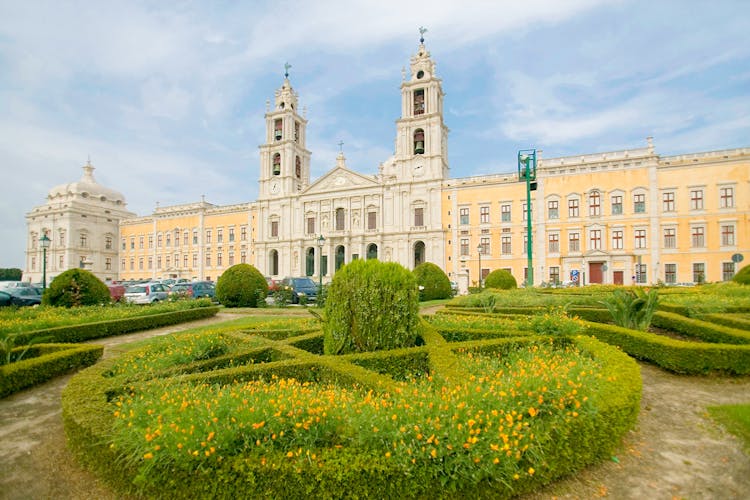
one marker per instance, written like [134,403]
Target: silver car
[146,293]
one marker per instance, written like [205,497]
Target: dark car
[24,296]
[195,290]
[116,291]
[300,287]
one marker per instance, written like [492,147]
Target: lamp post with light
[44,241]
[321,241]
[479,252]
[527,171]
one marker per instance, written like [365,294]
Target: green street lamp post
[44,241]
[321,241]
[479,252]
[527,170]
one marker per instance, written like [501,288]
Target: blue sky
[167,98]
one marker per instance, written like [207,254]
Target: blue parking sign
[574,275]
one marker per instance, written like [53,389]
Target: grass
[736,419]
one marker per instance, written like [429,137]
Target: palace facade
[622,217]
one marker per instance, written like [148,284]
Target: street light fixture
[321,241]
[479,252]
[44,242]
[527,171]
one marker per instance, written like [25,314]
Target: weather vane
[422,31]
[286,69]
[341,146]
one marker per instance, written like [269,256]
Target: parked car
[4,285]
[194,290]
[146,293]
[116,291]
[273,284]
[5,299]
[24,296]
[299,287]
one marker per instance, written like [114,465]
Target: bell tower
[421,134]
[284,160]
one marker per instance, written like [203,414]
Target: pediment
[340,179]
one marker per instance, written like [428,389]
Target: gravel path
[676,451]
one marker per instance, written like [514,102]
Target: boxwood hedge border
[87,417]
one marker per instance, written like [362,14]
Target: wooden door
[596,274]
[617,277]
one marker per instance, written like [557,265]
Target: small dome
[87,187]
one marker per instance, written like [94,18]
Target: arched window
[419,141]
[273,263]
[372,251]
[310,262]
[298,167]
[419,252]
[277,164]
[340,219]
[340,256]
[419,106]
[277,129]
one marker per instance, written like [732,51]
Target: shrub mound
[225,415]
[371,305]
[434,282]
[241,285]
[743,276]
[500,278]
[76,287]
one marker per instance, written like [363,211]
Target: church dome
[87,188]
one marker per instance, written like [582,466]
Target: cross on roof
[286,69]
[341,146]
[422,31]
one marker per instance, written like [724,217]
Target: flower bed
[228,414]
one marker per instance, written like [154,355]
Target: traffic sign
[574,275]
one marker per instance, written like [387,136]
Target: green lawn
[736,419]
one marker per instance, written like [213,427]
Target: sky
[167,98]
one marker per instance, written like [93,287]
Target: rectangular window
[573,208]
[176,237]
[208,260]
[195,260]
[639,203]
[670,273]
[121,241]
[208,236]
[231,258]
[185,261]
[574,242]
[464,246]
[554,275]
[463,216]
[372,220]
[696,199]
[595,239]
[158,262]
[132,242]
[132,264]
[595,204]
[62,239]
[62,262]
[150,263]
[617,205]
[151,241]
[617,239]
[553,209]
[484,243]
[727,236]
[219,236]
[670,237]
[484,215]
[640,273]
[243,257]
[640,238]
[274,229]
[524,211]
[140,263]
[419,217]
[525,244]
[219,257]
[195,236]
[243,233]
[727,271]
[699,272]
[505,213]
[169,239]
[122,264]
[667,200]
[505,245]
[108,243]
[726,197]
[340,219]
[311,225]
[554,243]
[698,237]
[231,234]
[158,240]
[185,238]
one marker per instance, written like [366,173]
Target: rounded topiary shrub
[500,278]
[76,287]
[743,276]
[434,282]
[241,285]
[371,305]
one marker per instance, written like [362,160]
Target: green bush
[76,287]
[500,278]
[633,308]
[743,276]
[241,285]
[434,282]
[371,305]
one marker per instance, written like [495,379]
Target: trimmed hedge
[88,331]
[43,362]
[675,355]
[346,473]
[434,282]
[732,321]
[699,329]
